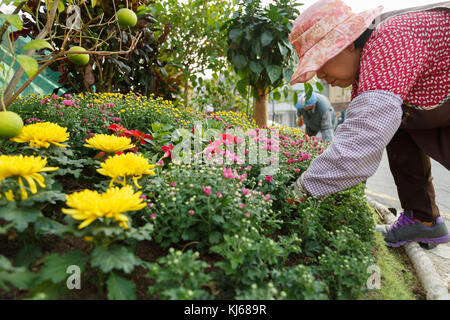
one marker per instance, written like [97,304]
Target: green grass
[398,279]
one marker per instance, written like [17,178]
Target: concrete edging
[426,272]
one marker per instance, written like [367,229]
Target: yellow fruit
[78,59]
[10,124]
[126,18]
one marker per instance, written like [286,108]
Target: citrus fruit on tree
[10,124]
[78,59]
[126,18]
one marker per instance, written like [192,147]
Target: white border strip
[431,281]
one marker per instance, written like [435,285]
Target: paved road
[381,187]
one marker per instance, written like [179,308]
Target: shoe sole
[439,240]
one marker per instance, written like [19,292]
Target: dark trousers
[423,134]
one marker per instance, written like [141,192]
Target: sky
[361,5]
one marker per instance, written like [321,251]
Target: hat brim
[332,44]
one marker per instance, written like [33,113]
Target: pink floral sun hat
[323,31]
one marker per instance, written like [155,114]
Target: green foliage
[18,277]
[21,217]
[179,276]
[248,258]
[196,35]
[220,93]
[300,283]
[185,212]
[265,291]
[258,43]
[114,258]
[252,244]
[55,265]
[120,288]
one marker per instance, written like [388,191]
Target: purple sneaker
[406,229]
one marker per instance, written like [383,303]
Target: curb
[426,272]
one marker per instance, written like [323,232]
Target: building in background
[283,113]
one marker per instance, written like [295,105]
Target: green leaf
[37,44]
[5,229]
[44,225]
[94,3]
[274,72]
[114,257]
[234,34]
[308,91]
[257,48]
[189,234]
[20,216]
[28,64]
[142,233]
[47,290]
[287,75]
[13,19]
[120,288]
[218,219]
[266,38]
[240,61]
[55,266]
[276,95]
[61,6]
[295,98]
[28,255]
[319,86]
[12,1]
[242,87]
[20,278]
[215,237]
[256,67]
[273,13]
[5,264]
[283,50]
[48,196]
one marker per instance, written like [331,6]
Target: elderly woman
[399,70]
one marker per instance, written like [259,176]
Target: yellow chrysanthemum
[126,165]
[109,143]
[26,167]
[9,195]
[42,134]
[89,205]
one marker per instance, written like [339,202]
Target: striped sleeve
[373,117]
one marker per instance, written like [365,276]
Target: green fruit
[78,59]
[11,124]
[126,18]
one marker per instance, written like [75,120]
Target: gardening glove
[299,191]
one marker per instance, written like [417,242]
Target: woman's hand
[299,192]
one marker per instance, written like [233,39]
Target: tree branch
[16,78]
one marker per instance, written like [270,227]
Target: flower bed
[112,185]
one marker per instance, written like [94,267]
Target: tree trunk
[260,108]
[186,92]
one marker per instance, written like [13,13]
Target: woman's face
[342,70]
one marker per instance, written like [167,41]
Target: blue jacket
[321,118]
